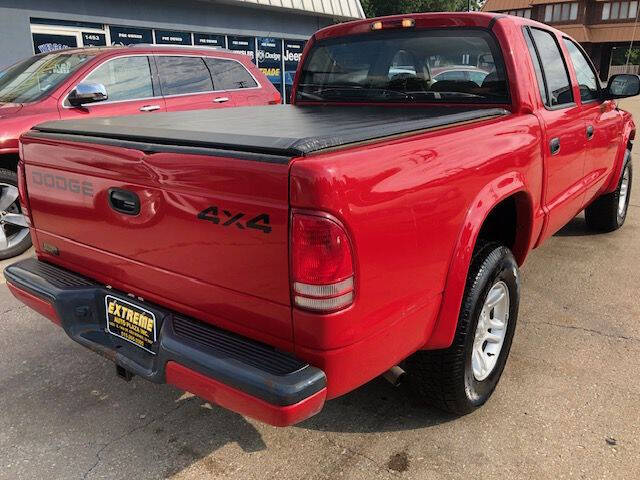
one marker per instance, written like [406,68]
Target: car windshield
[37,76]
[456,65]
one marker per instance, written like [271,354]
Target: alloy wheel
[13,224]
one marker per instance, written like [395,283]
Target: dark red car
[80,83]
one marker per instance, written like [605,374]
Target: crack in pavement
[19,307]
[588,330]
[129,432]
[362,455]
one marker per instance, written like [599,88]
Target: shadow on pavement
[376,407]
[575,228]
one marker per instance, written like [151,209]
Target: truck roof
[285,131]
[427,20]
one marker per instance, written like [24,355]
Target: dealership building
[271,32]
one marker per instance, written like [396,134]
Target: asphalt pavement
[567,406]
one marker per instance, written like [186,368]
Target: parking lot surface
[567,405]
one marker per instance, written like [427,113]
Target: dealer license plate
[130,322]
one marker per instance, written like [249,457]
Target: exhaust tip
[395,376]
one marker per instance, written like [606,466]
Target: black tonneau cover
[284,130]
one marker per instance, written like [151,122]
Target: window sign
[90,39]
[209,40]
[270,60]
[45,42]
[169,37]
[243,45]
[292,55]
[130,35]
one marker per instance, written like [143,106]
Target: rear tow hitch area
[123,373]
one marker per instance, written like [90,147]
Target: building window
[523,12]
[561,12]
[619,10]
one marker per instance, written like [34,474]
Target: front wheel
[608,212]
[14,229]
[462,378]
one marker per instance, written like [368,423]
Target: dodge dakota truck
[269,259]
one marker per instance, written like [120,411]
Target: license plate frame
[132,328]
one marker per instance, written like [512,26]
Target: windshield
[457,65]
[36,76]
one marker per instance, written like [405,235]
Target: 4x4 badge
[211,214]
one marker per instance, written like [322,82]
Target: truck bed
[278,132]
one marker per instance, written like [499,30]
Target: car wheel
[608,212]
[14,229]
[462,378]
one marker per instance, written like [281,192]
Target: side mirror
[623,85]
[87,93]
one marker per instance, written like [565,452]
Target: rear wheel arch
[510,223]
[9,161]
[504,200]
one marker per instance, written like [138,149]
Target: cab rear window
[458,65]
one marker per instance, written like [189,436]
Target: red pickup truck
[268,259]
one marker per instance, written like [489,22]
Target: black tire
[445,378]
[604,215]
[8,177]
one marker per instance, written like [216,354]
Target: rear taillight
[277,100]
[22,192]
[321,264]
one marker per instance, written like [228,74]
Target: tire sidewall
[499,265]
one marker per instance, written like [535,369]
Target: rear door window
[229,74]
[183,75]
[555,70]
[125,78]
[537,67]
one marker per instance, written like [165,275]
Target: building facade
[600,26]
[271,32]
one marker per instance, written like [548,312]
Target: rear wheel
[463,377]
[14,230]
[608,212]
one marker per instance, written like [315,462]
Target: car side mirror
[87,93]
[623,85]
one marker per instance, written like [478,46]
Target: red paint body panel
[239,402]
[166,251]
[404,214]
[17,119]
[412,206]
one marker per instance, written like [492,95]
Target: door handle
[124,201]
[150,108]
[554,145]
[590,132]
[221,99]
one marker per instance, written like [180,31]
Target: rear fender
[491,195]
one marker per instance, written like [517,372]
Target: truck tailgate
[210,237]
